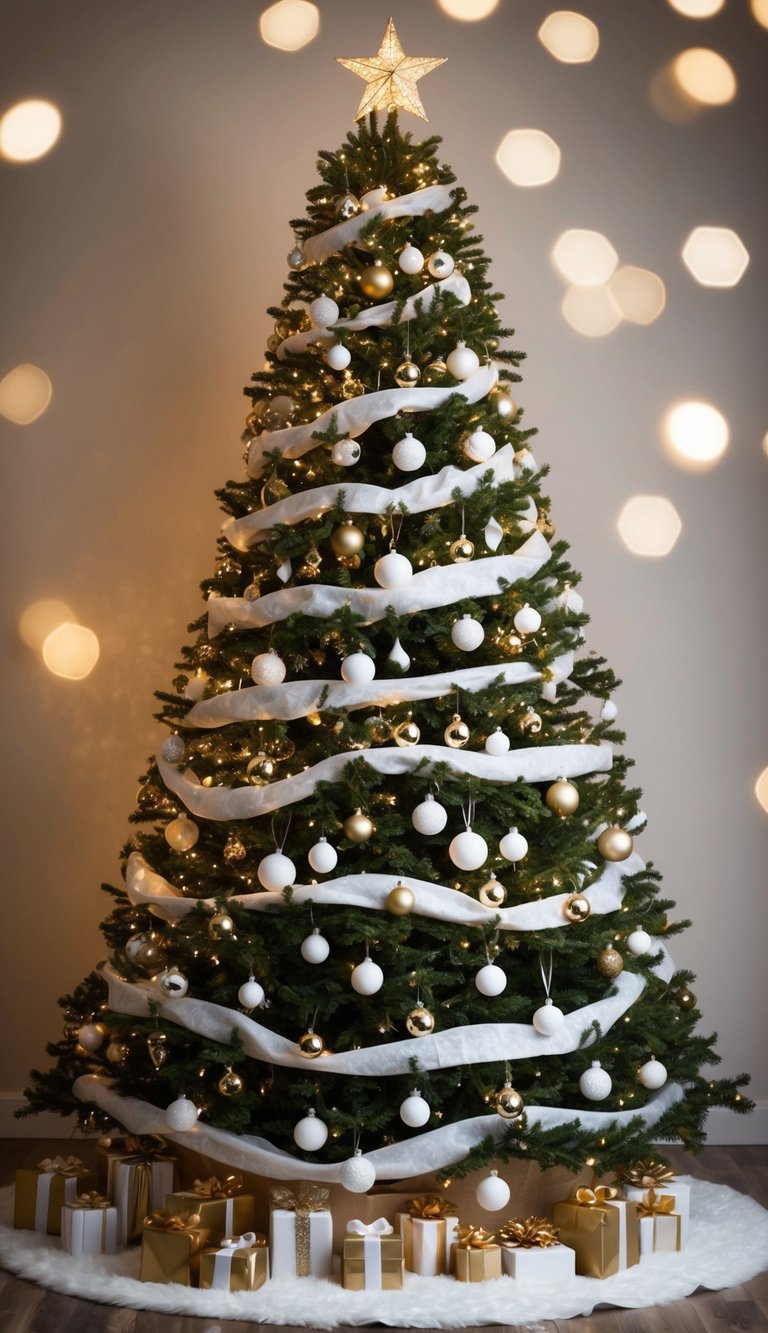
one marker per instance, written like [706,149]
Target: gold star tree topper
[391,76]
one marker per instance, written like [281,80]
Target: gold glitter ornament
[576,907]
[376,281]
[157,1048]
[609,961]
[407,374]
[358,827]
[400,900]
[615,844]
[391,76]
[407,733]
[461,550]
[221,927]
[230,1084]
[509,1104]
[420,1022]
[562,798]
[310,1045]
[234,849]
[457,733]
[492,893]
[352,388]
[347,539]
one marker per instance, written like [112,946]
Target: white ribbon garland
[222,1260]
[432,199]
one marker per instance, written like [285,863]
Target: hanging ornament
[400,900]
[234,849]
[398,657]
[530,723]
[492,1193]
[609,711]
[116,1052]
[351,387]
[376,281]
[146,950]
[221,927]
[527,620]
[468,850]
[461,550]
[562,797]
[410,260]
[513,644]
[274,489]
[251,993]
[415,1110]
[467,634]
[407,374]
[491,980]
[509,1103]
[323,312]
[497,743]
[462,361]
[684,998]
[91,1036]
[367,978]
[338,357]
[260,770]
[295,258]
[615,844]
[276,872]
[358,668]
[479,446]
[345,453]
[652,1074]
[430,817]
[268,669]
[639,942]
[157,1046]
[322,857]
[172,749]
[409,454]
[346,206]
[182,833]
[310,565]
[492,893]
[595,1083]
[378,728]
[435,372]
[440,264]
[310,1133]
[310,1045]
[609,962]
[347,539]
[503,404]
[457,733]
[392,570]
[549,1020]
[181,1114]
[173,984]
[513,846]
[406,733]
[230,1084]
[315,948]
[358,827]
[576,907]
[420,1022]
[357,1174]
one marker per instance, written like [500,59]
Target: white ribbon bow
[231,1243]
[381,1227]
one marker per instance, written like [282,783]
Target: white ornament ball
[549,1020]
[415,1110]
[181,1114]
[323,312]
[276,872]
[310,1133]
[467,634]
[251,994]
[609,711]
[173,984]
[527,620]
[468,850]
[491,980]
[513,846]
[462,361]
[268,669]
[430,817]
[595,1083]
[441,264]
[392,570]
[652,1074]
[409,454]
[492,1193]
[182,833]
[345,453]
[357,1174]
[410,259]
[315,948]
[338,357]
[367,978]
[323,857]
[90,1037]
[358,669]
[639,942]
[497,743]
[479,446]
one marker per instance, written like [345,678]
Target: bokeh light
[528,157]
[697,9]
[639,294]
[71,651]
[761,789]
[25,392]
[29,130]
[590,311]
[649,525]
[584,257]
[40,619]
[705,76]
[468,11]
[760,11]
[571,38]
[290,24]
[695,434]
[716,256]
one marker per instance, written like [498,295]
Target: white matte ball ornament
[415,1110]
[430,817]
[468,850]
[441,264]
[409,454]
[609,711]
[323,858]
[181,1114]
[345,453]
[548,1020]
[479,446]
[410,259]
[338,357]
[652,1074]
[367,978]
[310,1133]
[527,620]
[323,312]
[467,634]
[462,361]
[251,994]
[595,1084]
[357,1174]
[315,948]
[639,942]
[492,1193]
[497,743]
[276,872]
[392,570]
[181,833]
[91,1036]
[513,846]
[358,669]
[268,669]
[491,980]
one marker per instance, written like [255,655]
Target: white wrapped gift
[660,1225]
[551,1263]
[300,1232]
[89,1226]
[680,1192]
[428,1241]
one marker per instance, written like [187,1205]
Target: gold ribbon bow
[213,1188]
[528,1233]
[162,1220]
[647,1175]
[432,1206]
[91,1200]
[61,1166]
[145,1147]
[307,1199]
[474,1238]
[655,1205]
[596,1198]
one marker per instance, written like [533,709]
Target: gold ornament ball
[182,833]
[615,844]
[116,1052]
[509,1103]
[400,900]
[609,961]
[562,798]
[259,771]
[420,1022]
[505,406]
[492,893]
[347,539]
[150,953]
[685,998]
[514,645]
[577,907]
[378,728]
[376,281]
[347,206]
[221,926]
[407,733]
[461,550]
[436,370]
[310,1045]
[230,1084]
[407,375]
[358,827]
[456,734]
[530,723]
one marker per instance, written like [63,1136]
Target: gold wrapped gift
[372,1257]
[42,1191]
[428,1230]
[476,1255]
[602,1229]
[660,1225]
[237,1263]
[221,1204]
[170,1247]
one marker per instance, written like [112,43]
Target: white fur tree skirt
[728,1245]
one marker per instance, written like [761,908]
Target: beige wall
[137,261]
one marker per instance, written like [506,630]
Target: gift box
[531,1252]
[602,1229]
[238,1263]
[476,1255]
[42,1191]
[647,1175]
[140,1176]
[300,1232]
[428,1230]
[89,1225]
[660,1225]
[170,1247]
[110,1151]
[372,1257]
[221,1204]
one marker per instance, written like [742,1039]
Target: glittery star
[391,76]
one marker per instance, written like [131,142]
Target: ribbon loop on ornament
[656,1205]
[646,1175]
[162,1220]
[529,1233]
[433,1207]
[596,1198]
[474,1238]
[381,1227]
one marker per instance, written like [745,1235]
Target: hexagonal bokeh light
[583,257]
[569,37]
[705,76]
[697,9]
[695,433]
[528,157]
[25,393]
[590,310]
[716,256]
[468,11]
[290,24]
[649,525]
[639,294]
[761,789]
[71,651]
[29,130]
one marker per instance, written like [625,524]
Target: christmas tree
[382,913]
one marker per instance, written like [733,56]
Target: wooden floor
[26,1308]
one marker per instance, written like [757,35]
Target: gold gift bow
[145,1147]
[647,1175]
[596,1198]
[309,1199]
[474,1238]
[213,1188]
[656,1205]
[91,1200]
[529,1233]
[61,1166]
[162,1220]
[432,1206]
